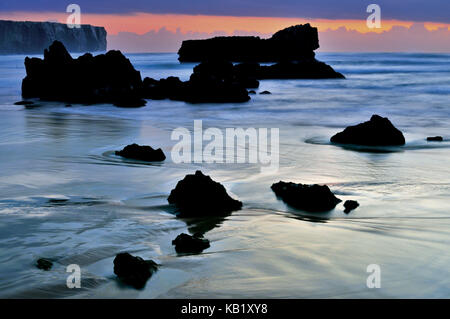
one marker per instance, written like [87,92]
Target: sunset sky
[160,26]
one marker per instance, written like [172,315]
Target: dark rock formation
[133,270]
[105,78]
[293,43]
[350,205]
[252,92]
[44,264]
[210,82]
[305,69]
[292,48]
[311,198]
[185,243]
[435,139]
[379,131]
[18,37]
[265,92]
[142,153]
[199,195]
[23,103]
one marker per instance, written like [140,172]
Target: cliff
[293,43]
[18,37]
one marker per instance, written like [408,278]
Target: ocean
[64,195]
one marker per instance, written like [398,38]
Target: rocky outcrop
[142,153]
[379,131]
[44,264]
[350,205]
[435,139]
[210,82]
[185,243]
[293,43]
[133,270]
[199,195]
[18,37]
[105,78]
[311,198]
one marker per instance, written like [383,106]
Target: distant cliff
[18,37]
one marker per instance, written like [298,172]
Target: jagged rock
[210,82]
[379,131]
[435,139]
[311,198]
[199,195]
[133,270]
[26,37]
[105,78]
[142,153]
[265,92]
[293,43]
[350,205]
[185,243]
[170,88]
[44,264]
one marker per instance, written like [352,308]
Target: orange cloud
[141,23]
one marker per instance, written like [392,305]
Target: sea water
[64,195]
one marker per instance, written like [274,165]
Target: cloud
[415,10]
[399,39]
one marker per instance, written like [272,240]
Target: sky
[160,26]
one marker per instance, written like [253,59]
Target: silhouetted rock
[210,82]
[133,270]
[142,153]
[311,198]
[251,92]
[265,92]
[105,78]
[44,263]
[305,69]
[185,243]
[129,102]
[170,88]
[379,131]
[199,195]
[214,81]
[350,205]
[24,103]
[435,139]
[293,43]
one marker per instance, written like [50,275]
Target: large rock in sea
[293,43]
[142,153]
[210,82]
[311,198]
[379,131]
[198,195]
[133,270]
[25,37]
[105,78]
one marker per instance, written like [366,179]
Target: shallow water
[65,196]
